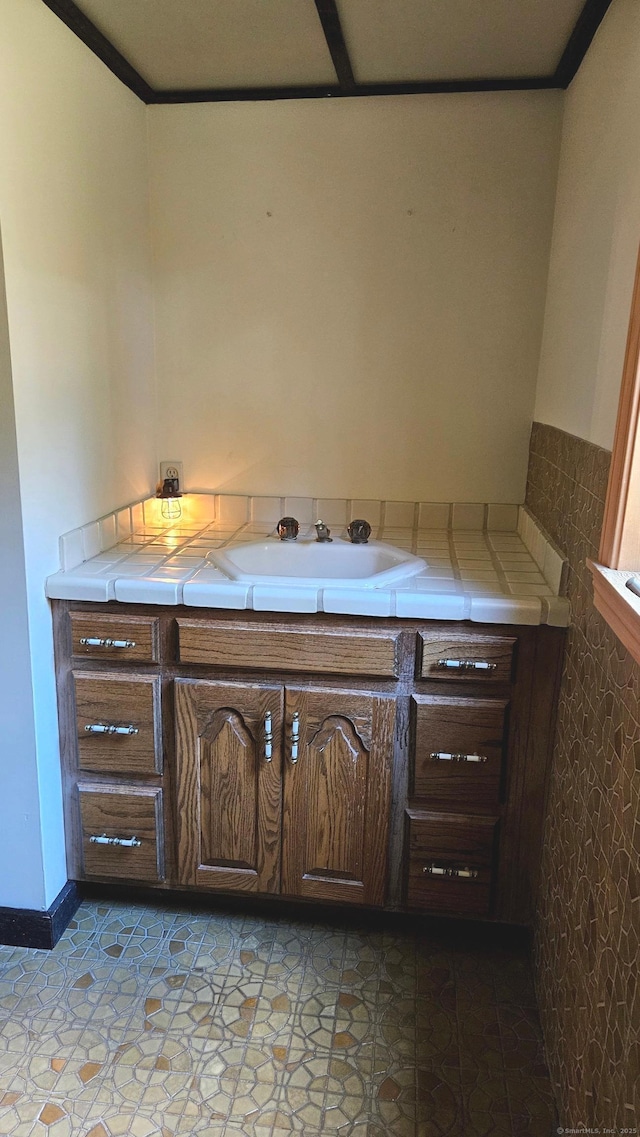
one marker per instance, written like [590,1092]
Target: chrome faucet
[287,528]
[323,534]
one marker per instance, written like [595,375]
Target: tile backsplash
[235,510]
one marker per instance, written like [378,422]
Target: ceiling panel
[217,43]
[404,40]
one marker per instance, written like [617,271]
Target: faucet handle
[287,528]
[323,534]
[359,531]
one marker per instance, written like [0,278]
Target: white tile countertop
[490,564]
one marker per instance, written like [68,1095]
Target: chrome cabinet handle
[124,842]
[295,737]
[93,641]
[467,664]
[268,737]
[437,870]
[444,756]
[109,728]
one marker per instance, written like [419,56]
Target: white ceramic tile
[333,511]
[123,524]
[108,532]
[483,587]
[232,509]
[505,609]
[502,517]
[475,562]
[266,510]
[301,508]
[399,513]
[523,518]
[509,558]
[552,568]
[91,540]
[430,606]
[267,598]
[556,611]
[136,568]
[137,517]
[208,594]
[478,574]
[145,590]
[538,548]
[71,547]
[467,516]
[365,509]
[444,572]
[75,586]
[530,589]
[523,576]
[358,601]
[433,515]
[198,509]
[432,584]
[500,544]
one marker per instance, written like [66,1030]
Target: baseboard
[26,927]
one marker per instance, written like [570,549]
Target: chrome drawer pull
[295,737]
[268,737]
[109,728]
[467,664]
[436,870]
[443,756]
[124,842]
[92,641]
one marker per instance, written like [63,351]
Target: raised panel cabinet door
[228,767]
[338,755]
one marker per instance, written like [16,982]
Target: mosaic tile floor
[156,1022]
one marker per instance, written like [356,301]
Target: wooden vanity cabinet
[353,760]
[282,789]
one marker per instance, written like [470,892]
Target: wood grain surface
[122,811]
[458,726]
[228,794]
[141,630]
[371,652]
[113,699]
[498,650]
[337,796]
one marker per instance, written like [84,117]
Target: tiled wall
[588,929]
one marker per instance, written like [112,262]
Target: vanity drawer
[118,721]
[483,659]
[132,815]
[128,639]
[441,846]
[458,746]
[286,648]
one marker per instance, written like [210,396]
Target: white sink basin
[337,564]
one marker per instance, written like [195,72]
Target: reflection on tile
[158,1022]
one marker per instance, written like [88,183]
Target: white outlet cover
[169,469]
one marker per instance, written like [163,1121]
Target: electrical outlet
[171,470]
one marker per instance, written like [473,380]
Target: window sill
[617,605]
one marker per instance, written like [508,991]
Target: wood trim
[620,540]
[619,607]
[87,31]
[577,46]
[359,91]
[580,40]
[332,29]
[25,927]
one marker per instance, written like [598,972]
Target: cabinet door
[337,791]
[228,785]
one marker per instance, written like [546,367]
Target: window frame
[619,552]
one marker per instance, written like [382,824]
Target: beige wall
[596,235]
[349,294]
[74,217]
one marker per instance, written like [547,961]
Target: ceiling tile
[217,43]
[404,40]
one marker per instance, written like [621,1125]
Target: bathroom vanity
[396,763]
